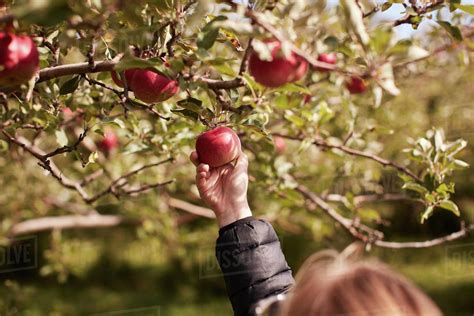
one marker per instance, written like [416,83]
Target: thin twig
[244,62]
[354,152]
[119,182]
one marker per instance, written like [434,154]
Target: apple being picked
[19,59]
[328,58]
[356,85]
[218,146]
[280,70]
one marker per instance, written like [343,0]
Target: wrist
[233,214]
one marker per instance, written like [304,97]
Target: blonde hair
[330,284]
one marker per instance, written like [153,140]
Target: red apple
[307,98]
[19,59]
[109,142]
[218,146]
[72,116]
[280,144]
[356,85]
[67,112]
[152,87]
[280,70]
[328,58]
[128,76]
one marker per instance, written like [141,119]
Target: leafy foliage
[338,143]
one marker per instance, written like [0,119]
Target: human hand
[224,189]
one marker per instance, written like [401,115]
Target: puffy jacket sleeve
[252,262]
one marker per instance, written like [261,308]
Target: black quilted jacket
[253,265]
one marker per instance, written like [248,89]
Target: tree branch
[354,152]
[48,165]
[191,208]
[419,11]
[121,181]
[76,69]
[372,236]
[244,62]
[68,222]
[368,198]
[94,220]
[465,231]
[355,228]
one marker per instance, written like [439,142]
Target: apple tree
[101,103]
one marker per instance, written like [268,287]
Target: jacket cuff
[238,222]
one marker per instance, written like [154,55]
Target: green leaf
[438,137]
[466,8]
[298,121]
[427,213]
[61,137]
[356,20]
[208,36]
[3,145]
[386,6]
[445,189]
[450,206]
[293,87]
[187,113]
[92,157]
[191,104]
[460,163]
[452,30]
[132,62]
[415,187]
[206,40]
[386,79]
[115,121]
[70,86]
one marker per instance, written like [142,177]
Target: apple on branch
[151,87]
[356,85]
[328,58]
[280,70]
[218,146]
[128,77]
[147,85]
[109,143]
[19,59]
[280,144]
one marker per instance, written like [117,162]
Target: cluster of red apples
[221,145]
[19,63]
[283,69]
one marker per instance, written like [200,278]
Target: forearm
[251,260]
